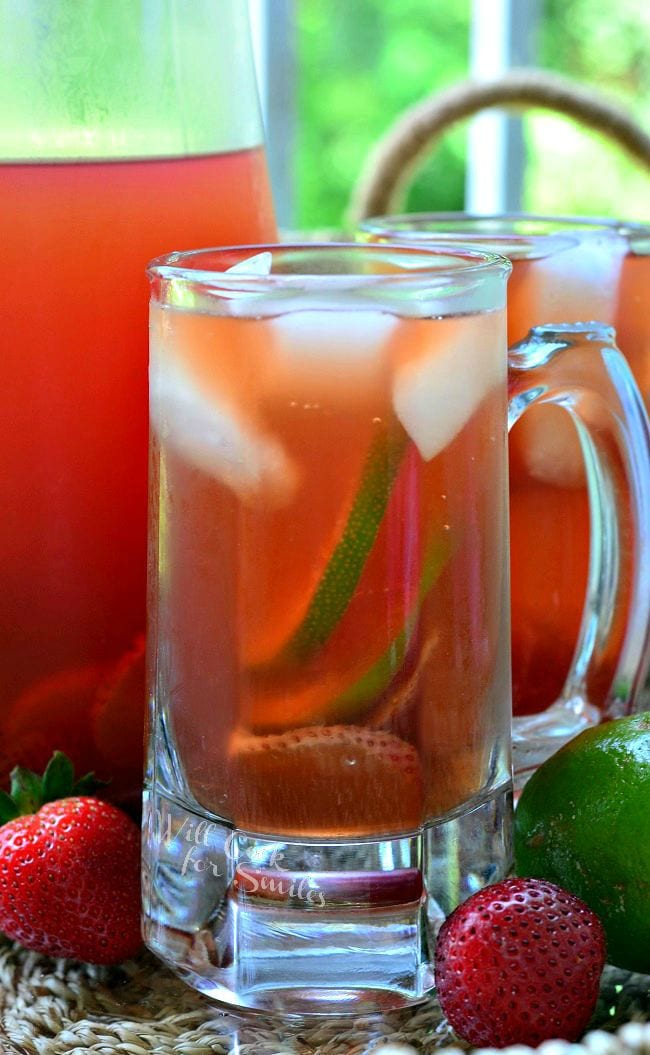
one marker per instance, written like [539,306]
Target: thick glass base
[313,927]
[536,737]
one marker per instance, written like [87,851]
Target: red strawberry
[519,963]
[69,869]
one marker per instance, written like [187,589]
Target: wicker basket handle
[388,167]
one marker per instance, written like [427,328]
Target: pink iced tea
[332,614]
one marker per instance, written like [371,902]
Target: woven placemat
[54,1007]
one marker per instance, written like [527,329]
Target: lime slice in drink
[324,696]
[345,566]
[378,677]
[325,389]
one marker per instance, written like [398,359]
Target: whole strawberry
[520,963]
[69,869]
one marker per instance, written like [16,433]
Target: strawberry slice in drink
[324,781]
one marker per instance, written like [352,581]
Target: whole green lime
[583,821]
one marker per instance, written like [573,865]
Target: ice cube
[248,300]
[546,441]
[576,284]
[332,358]
[259,264]
[436,392]
[215,437]
[333,340]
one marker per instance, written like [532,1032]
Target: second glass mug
[563,269]
[329,759]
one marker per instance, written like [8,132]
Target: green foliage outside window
[362,62]
[606,45]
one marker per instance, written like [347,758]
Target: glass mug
[563,269]
[127,129]
[329,755]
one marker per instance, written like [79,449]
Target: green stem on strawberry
[29,791]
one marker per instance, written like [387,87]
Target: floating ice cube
[573,285]
[577,284]
[259,264]
[332,358]
[249,298]
[435,394]
[547,441]
[333,339]
[216,437]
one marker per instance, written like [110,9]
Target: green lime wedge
[379,676]
[345,567]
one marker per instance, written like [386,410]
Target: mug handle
[579,368]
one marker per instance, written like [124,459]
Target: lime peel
[377,679]
[583,822]
[345,567]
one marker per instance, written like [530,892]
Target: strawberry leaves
[8,808]
[29,791]
[58,778]
[25,790]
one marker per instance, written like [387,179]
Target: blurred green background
[361,62]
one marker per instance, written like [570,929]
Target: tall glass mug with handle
[564,676]
[329,762]
[127,129]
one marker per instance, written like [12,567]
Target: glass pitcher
[128,129]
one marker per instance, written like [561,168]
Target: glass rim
[395,222]
[184,265]
[538,235]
